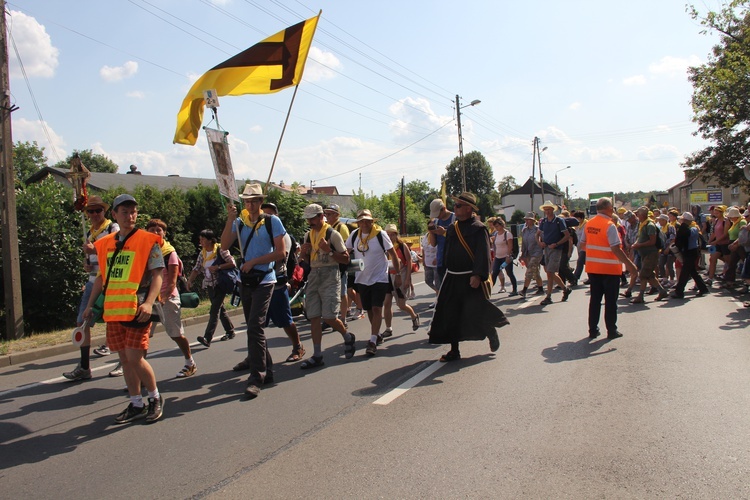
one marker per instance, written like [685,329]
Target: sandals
[415,323]
[450,356]
[349,347]
[297,354]
[312,362]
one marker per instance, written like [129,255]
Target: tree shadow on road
[573,351]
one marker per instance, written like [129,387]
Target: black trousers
[690,270]
[608,287]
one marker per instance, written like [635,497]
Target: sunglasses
[95,210]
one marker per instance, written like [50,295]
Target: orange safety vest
[599,256]
[120,300]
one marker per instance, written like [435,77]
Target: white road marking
[398,391]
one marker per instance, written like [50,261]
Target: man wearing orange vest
[130,275]
[604,259]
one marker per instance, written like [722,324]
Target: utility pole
[11,263]
[533,174]
[460,145]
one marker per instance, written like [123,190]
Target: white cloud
[117,73]
[575,106]
[136,94]
[256,129]
[634,80]
[416,118]
[38,54]
[320,65]
[31,130]
[606,153]
[658,152]
[673,66]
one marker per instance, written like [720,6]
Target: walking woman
[719,240]
[207,265]
[502,243]
[404,257]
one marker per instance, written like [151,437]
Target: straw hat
[96,201]
[530,216]
[548,204]
[365,214]
[391,228]
[252,191]
[467,199]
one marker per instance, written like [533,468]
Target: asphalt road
[661,412]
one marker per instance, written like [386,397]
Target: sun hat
[123,198]
[391,228]
[436,206]
[364,214]
[333,208]
[663,217]
[252,191]
[96,201]
[733,212]
[530,215]
[687,216]
[312,211]
[548,204]
[468,199]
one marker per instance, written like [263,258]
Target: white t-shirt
[429,251]
[501,244]
[373,255]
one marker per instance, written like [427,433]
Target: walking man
[96,209]
[604,259]
[131,265]
[649,254]
[371,244]
[463,311]
[261,238]
[552,236]
[323,248]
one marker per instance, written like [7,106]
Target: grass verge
[45,339]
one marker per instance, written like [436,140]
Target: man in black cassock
[462,311]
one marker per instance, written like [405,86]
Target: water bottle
[235,300]
[504,265]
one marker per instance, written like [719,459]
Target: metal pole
[533,175]
[460,145]
[539,155]
[11,262]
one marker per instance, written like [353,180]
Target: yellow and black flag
[269,66]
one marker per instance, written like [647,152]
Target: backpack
[291,259]
[226,279]
[181,279]
[353,236]
[573,236]
[661,240]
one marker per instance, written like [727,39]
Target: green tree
[517,217]
[507,184]
[50,256]
[291,207]
[479,180]
[95,162]
[720,89]
[28,159]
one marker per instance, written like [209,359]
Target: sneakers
[547,300]
[78,374]
[539,290]
[117,372]
[380,340]
[566,293]
[102,351]
[132,413]
[513,293]
[502,290]
[415,323]
[387,333]
[494,341]
[187,371]
[155,409]
[371,349]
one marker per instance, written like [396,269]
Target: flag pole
[278,146]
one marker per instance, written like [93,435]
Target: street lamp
[566,168]
[461,139]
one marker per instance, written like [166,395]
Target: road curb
[55,350]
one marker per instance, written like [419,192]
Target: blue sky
[602,84]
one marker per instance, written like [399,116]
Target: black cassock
[462,312]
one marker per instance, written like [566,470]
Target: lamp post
[566,168]
[567,194]
[461,139]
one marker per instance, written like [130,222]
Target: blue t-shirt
[441,239]
[261,243]
[552,230]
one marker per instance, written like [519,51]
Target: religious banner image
[219,148]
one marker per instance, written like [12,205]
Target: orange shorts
[120,337]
